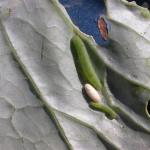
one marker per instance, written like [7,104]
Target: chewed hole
[148,108]
[103,28]
[143,3]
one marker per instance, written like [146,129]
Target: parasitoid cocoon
[92,93]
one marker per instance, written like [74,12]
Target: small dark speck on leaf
[42,49]
[135,76]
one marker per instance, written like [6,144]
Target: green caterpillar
[87,70]
[89,74]
[109,112]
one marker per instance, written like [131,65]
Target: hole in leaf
[102,25]
[143,3]
[148,108]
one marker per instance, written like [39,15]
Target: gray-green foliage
[37,69]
